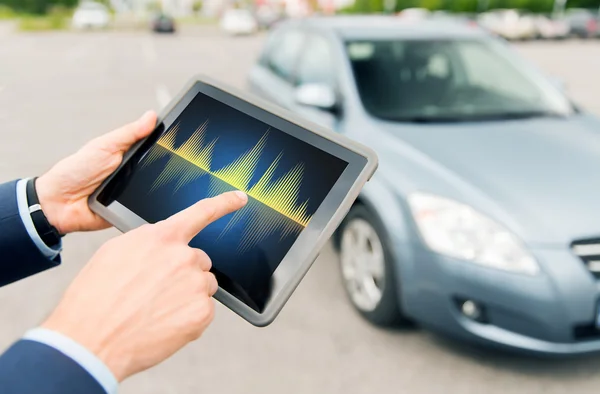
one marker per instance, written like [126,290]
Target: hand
[145,294]
[64,190]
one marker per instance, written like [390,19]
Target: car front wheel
[367,269]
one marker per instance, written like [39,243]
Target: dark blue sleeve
[30,367]
[19,257]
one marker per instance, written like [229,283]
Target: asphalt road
[59,90]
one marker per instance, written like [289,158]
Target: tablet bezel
[362,163]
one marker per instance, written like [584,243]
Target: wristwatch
[47,232]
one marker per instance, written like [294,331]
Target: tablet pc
[301,180]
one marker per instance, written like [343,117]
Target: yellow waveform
[280,195]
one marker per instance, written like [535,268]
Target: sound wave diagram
[273,204]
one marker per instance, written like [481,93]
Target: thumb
[121,139]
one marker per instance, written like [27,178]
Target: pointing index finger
[194,219]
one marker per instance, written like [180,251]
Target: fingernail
[242,196]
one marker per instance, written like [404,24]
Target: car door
[273,77]
[316,66]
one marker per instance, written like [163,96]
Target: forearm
[33,367]
[51,356]
[20,255]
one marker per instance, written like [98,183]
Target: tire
[369,281]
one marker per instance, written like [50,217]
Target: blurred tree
[433,5]
[154,6]
[365,7]
[595,4]
[37,6]
[376,5]
[470,6]
[545,6]
[465,5]
[197,6]
[403,4]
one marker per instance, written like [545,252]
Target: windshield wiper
[474,117]
[522,115]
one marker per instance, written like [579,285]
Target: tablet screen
[213,148]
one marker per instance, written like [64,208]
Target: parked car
[163,23]
[445,16]
[509,24]
[91,15]
[482,221]
[414,13]
[238,22]
[583,23]
[550,28]
[268,16]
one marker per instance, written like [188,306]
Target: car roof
[385,27]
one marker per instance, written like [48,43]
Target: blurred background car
[583,23]
[414,13]
[509,24]
[91,15]
[238,21]
[163,23]
[267,16]
[551,28]
[508,260]
[464,19]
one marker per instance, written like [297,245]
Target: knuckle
[201,316]
[201,284]
[187,258]
[210,315]
[210,210]
[205,311]
[212,284]
[204,259]
[161,231]
[195,330]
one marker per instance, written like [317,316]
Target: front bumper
[551,313]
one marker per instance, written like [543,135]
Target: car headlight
[457,230]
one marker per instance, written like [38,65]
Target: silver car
[483,221]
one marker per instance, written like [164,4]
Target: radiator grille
[589,252]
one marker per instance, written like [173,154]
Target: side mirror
[316,95]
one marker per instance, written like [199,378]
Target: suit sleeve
[19,256]
[31,367]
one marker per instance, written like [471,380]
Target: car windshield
[450,80]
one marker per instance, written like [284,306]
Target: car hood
[539,177]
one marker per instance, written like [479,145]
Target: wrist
[51,207]
[90,339]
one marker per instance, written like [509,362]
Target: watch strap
[47,232]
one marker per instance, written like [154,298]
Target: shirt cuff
[87,360]
[49,252]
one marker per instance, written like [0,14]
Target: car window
[283,52]
[486,70]
[453,78]
[316,63]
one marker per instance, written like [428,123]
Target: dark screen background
[246,272]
